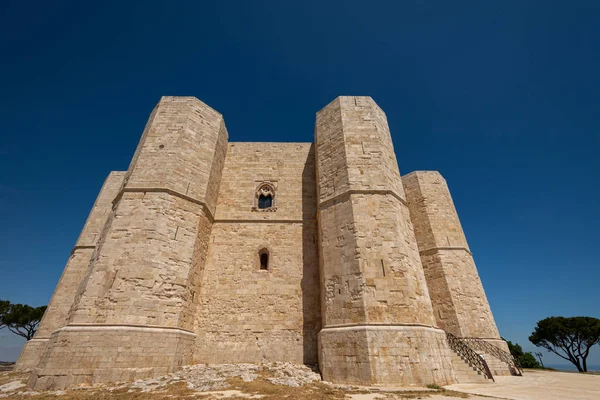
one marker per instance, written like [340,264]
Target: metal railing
[486,347]
[473,358]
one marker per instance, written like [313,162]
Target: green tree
[569,338]
[515,349]
[4,307]
[525,359]
[20,319]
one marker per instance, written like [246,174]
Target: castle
[209,251]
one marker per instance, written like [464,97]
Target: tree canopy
[20,319]
[525,359]
[569,338]
[4,307]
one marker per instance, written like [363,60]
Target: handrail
[486,347]
[471,356]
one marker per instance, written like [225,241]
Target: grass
[6,377]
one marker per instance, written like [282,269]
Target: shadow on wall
[310,284]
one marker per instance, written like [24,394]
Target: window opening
[264,198]
[265,201]
[264,261]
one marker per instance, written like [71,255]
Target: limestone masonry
[210,251]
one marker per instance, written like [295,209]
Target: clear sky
[500,96]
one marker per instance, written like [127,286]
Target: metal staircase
[469,365]
[488,348]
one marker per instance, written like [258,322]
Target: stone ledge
[348,193]
[82,248]
[376,326]
[125,327]
[274,221]
[172,192]
[434,249]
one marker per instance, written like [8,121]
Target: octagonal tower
[378,323]
[133,314]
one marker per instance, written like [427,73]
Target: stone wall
[459,301]
[97,354]
[182,150]
[141,286]
[246,314]
[387,355]
[149,251]
[371,274]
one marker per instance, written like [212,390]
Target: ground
[539,385]
[291,382]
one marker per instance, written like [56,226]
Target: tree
[569,338]
[20,319]
[515,349]
[4,307]
[525,359]
[540,356]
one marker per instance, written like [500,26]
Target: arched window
[264,197]
[263,259]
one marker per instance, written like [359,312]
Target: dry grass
[260,386]
[6,377]
[268,391]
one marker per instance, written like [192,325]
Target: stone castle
[210,251]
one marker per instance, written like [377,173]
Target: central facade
[209,251]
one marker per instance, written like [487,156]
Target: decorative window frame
[265,188]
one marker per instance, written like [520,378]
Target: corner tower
[57,313]
[133,316]
[459,301]
[378,323]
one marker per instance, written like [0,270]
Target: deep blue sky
[501,97]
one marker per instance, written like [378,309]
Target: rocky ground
[6,366]
[227,381]
[296,382]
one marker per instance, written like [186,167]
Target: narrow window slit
[263,258]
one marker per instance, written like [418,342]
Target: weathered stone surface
[144,274]
[96,354]
[178,264]
[459,300]
[60,304]
[371,273]
[400,355]
[246,314]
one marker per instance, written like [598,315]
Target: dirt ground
[539,385]
[286,381]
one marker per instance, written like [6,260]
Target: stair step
[465,372]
